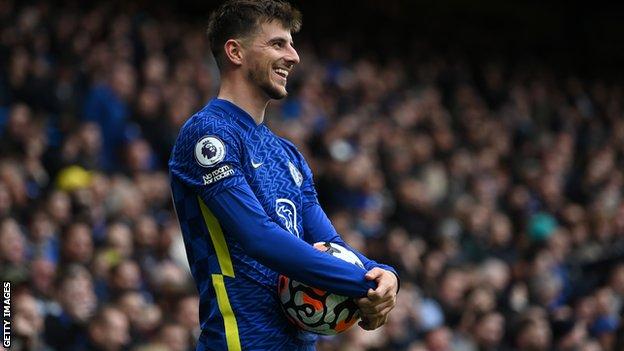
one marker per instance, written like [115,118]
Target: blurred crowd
[494,189]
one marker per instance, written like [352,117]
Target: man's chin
[276,93]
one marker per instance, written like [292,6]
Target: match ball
[316,310]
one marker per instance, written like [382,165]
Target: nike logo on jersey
[256,165]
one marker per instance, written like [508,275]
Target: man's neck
[245,96]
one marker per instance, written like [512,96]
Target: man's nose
[293,56]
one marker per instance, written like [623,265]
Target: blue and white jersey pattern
[242,192]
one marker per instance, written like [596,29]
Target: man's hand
[375,307]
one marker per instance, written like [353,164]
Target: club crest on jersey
[296,175]
[209,151]
[287,212]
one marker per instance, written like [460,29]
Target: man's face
[270,58]
[78,298]
[116,330]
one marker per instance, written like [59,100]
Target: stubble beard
[261,80]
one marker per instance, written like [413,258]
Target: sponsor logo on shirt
[218,174]
[209,151]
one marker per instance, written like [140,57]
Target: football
[315,310]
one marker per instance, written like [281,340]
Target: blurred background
[476,147]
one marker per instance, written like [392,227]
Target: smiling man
[246,201]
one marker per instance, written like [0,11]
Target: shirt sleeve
[207,157]
[317,226]
[262,239]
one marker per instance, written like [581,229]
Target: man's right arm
[261,238]
[213,171]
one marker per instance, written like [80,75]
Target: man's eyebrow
[280,39]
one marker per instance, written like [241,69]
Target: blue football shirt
[248,210]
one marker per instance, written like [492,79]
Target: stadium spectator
[108,330]
[175,336]
[66,328]
[107,104]
[28,324]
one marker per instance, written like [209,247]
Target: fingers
[386,311]
[379,309]
[375,309]
[374,315]
[368,305]
[374,303]
[383,291]
[365,302]
[373,323]
[374,274]
[386,283]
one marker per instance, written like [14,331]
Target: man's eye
[278,45]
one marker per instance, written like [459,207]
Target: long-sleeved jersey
[248,210]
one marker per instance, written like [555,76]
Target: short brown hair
[239,18]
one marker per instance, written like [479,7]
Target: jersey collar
[238,113]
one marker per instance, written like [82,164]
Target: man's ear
[234,51]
